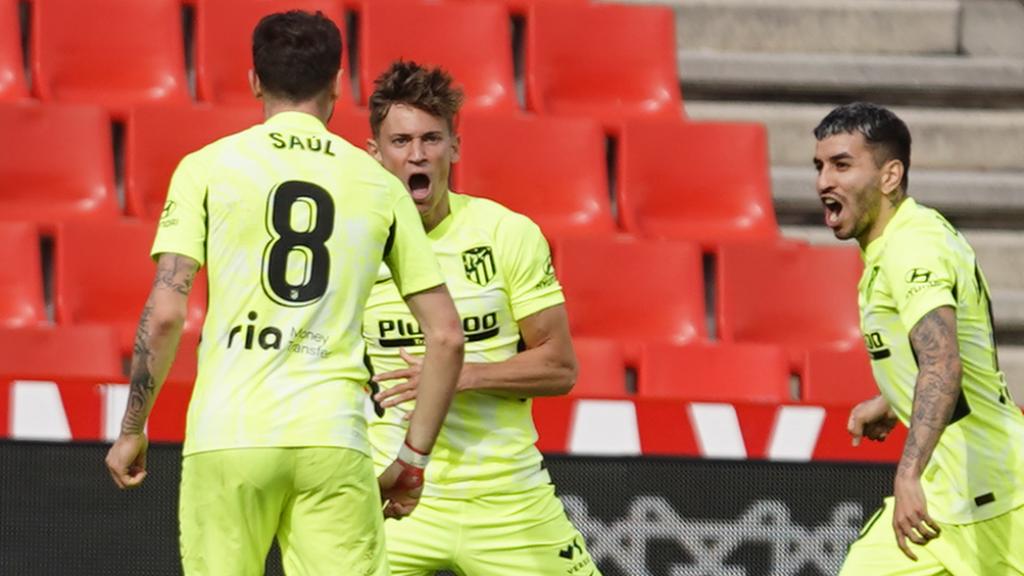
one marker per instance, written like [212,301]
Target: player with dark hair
[958,495]
[293,225]
[488,506]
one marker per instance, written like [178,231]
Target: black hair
[887,135]
[296,54]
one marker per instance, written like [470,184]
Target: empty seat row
[723,372]
[602,61]
[700,181]
[636,292]
[751,373]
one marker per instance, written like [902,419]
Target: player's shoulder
[488,213]
[923,225]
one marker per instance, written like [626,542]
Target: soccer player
[293,224]
[958,494]
[488,506]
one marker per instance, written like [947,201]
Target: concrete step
[896,79]
[946,139]
[968,199]
[861,26]
[1011,361]
[1001,256]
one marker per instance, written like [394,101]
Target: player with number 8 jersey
[293,225]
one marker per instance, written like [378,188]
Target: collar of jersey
[901,216]
[299,120]
[455,204]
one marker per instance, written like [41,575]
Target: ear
[254,84]
[456,145]
[337,85]
[891,176]
[373,149]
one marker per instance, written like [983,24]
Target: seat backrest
[104,274]
[352,124]
[62,166]
[158,137]
[837,377]
[602,368]
[12,69]
[472,42]
[60,352]
[223,41]
[21,276]
[632,290]
[701,181]
[551,169]
[113,53]
[602,60]
[715,372]
[795,295]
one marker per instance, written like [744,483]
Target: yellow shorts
[322,504]
[993,547]
[520,534]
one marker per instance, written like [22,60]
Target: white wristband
[413,458]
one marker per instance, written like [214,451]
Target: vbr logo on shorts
[479,264]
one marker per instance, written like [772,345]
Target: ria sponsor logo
[400,332]
[302,341]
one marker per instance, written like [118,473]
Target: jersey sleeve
[182,226]
[410,257]
[525,260]
[921,276]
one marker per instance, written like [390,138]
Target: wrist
[410,457]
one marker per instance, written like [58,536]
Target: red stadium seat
[715,372]
[602,368]
[12,69]
[702,181]
[223,35]
[551,169]
[104,274]
[838,377]
[156,139]
[352,124]
[58,352]
[183,370]
[114,53]
[632,291]
[608,62]
[59,164]
[800,297]
[21,276]
[472,41]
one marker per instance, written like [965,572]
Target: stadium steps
[944,138]
[863,26]
[968,199]
[893,79]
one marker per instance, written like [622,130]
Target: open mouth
[419,186]
[833,208]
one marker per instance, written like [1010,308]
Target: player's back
[292,223]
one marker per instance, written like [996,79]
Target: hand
[403,391]
[873,418]
[400,489]
[126,460]
[910,517]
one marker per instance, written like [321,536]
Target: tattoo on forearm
[141,386]
[937,388]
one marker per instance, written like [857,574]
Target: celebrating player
[958,495]
[292,224]
[488,506]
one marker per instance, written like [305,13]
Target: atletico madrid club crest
[479,264]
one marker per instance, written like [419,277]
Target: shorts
[493,535]
[323,505]
[993,547]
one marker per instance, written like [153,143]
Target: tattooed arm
[935,394]
[156,342]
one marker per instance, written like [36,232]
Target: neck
[886,211]
[319,107]
[438,214]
